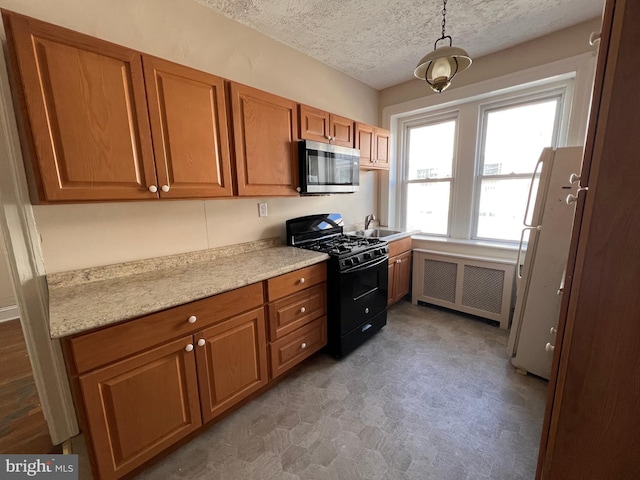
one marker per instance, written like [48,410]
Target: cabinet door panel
[85,106]
[314,124]
[402,276]
[137,407]
[391,281]
[342,131]
[265,135]
[232,363]
[364,141]
[189,124]
[382,148]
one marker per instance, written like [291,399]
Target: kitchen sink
[376,232]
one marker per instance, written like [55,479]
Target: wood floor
[22,425]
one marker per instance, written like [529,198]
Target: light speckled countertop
[90,298]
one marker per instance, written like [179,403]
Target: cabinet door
[381,159]
[265,138]
[314,124]
[138,407]
[391,281]
[364,141]
[188,116]
[341,129]
[402,276]
[232,362]
[85,114]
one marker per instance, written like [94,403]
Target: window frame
[559,93]
[424,121]
[462,208]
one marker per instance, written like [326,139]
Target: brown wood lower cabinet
[232,362]
[137,407]
[143,385]
[399,270]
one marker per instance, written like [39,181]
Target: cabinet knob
[201,342]
[366,310]
[153,188]
[302,310]
[549,348]
[302,280]
[192,319]
[304,345]
[553,330]
[165,188]
[189,347]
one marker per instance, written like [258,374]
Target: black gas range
[356,278]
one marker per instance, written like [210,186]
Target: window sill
[458,246]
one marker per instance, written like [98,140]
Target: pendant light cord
[444,17]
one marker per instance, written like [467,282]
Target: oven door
[362,293]
[328,168]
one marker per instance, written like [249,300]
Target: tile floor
[432,396]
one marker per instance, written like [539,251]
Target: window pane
[515,137]
[428,207]
[502,205]
[431,150]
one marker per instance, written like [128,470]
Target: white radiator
[477,285]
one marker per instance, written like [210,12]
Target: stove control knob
[356,259]
[367,255]
[385,249]
[348,262]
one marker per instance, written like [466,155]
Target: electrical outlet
[262,209]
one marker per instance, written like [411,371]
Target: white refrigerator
[539,272]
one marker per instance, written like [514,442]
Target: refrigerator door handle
[533,178]
[518,270]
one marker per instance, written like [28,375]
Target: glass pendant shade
[440,66]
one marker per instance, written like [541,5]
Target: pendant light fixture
[440,66]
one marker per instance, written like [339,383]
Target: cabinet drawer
[289,313]
[98,348]
[399,246]
[298,345]
[293,282]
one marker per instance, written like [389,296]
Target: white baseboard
[9,313]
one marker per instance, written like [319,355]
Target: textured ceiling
[379,42]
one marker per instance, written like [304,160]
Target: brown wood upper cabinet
[265,137]
[85,117]
[373,143]
[321,126]
[188,116]
[86,106]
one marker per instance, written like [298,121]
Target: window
[429,175]
[512,138]
[465,168]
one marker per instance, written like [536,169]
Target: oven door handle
[365,266]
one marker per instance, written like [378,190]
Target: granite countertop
[85,299]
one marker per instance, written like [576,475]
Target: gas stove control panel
[364,257]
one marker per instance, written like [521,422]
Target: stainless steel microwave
[328,168]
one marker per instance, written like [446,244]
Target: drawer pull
[302,280]
[304,345]
[366,327]
[189,347]
[302,310]
[192,319]
[201,342]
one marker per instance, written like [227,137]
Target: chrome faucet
[368,219]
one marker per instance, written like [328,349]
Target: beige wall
[78,236]
[7,298]
[550,48]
